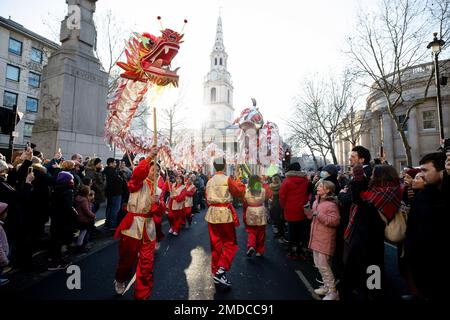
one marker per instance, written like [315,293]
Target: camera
[446,146]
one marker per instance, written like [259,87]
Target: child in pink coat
[325,219]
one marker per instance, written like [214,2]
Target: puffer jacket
[85,215]
[293,195]
[323,226]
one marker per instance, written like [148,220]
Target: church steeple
[218,55]
[218,88]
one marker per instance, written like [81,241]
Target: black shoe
[220,278]
[250,252]
[59,265]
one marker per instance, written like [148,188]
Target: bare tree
[352,125]
[173,117]
[319,112]
[388,45]
[111,40]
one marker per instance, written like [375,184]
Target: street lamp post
[13,132]
[436,47]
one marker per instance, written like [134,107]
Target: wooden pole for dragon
[128,154]
[155,142]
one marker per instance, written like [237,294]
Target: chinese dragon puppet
[148,65]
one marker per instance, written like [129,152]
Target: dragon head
[149,58]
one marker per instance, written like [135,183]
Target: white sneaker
[120,287]
[175,233]
[170,230]
[157,246]
[332,295]
[321,291]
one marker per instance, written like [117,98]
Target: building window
[12,73]
[32,104]
[220,61]
[213,95]
[401,119]
[36,55]
[228,97]
[27,129]
[215,61]
[429,121]
[15,46]
[34,79]
[9,99]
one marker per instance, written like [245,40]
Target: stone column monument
[74,90]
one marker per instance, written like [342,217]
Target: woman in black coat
[63,219]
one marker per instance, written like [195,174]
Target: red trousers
[223,245]
[129,248]
[176,219]
[158,226]
[256,238]
[188,214]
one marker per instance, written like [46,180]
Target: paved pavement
[182,271]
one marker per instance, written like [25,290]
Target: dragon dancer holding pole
[148,66]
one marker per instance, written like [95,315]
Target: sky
[272,46]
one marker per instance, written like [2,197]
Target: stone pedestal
[74,90]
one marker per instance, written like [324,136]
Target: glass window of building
[401,119]
[27,129]
[12,73]
[36,55]
[32,104]
[213,94]
[15,46]
[9,99]
[34,80]
[429,121]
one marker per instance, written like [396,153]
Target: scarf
[387,200]
[275,188]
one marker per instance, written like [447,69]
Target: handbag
[395,230]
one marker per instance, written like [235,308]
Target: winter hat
[331,169]
[64,177]
[412,172]
[3,207]
[294,167]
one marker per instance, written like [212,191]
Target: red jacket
[294,195]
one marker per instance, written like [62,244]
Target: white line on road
[307,285]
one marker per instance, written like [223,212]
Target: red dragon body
[148,64]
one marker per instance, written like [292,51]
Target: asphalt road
[182,271]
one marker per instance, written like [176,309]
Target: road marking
[307,285]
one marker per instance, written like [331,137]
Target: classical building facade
[23,54]
[218,99]
[422,128]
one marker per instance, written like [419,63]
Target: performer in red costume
[137,230]
[255,216]
[176,205]
[222,220]
[189,202]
